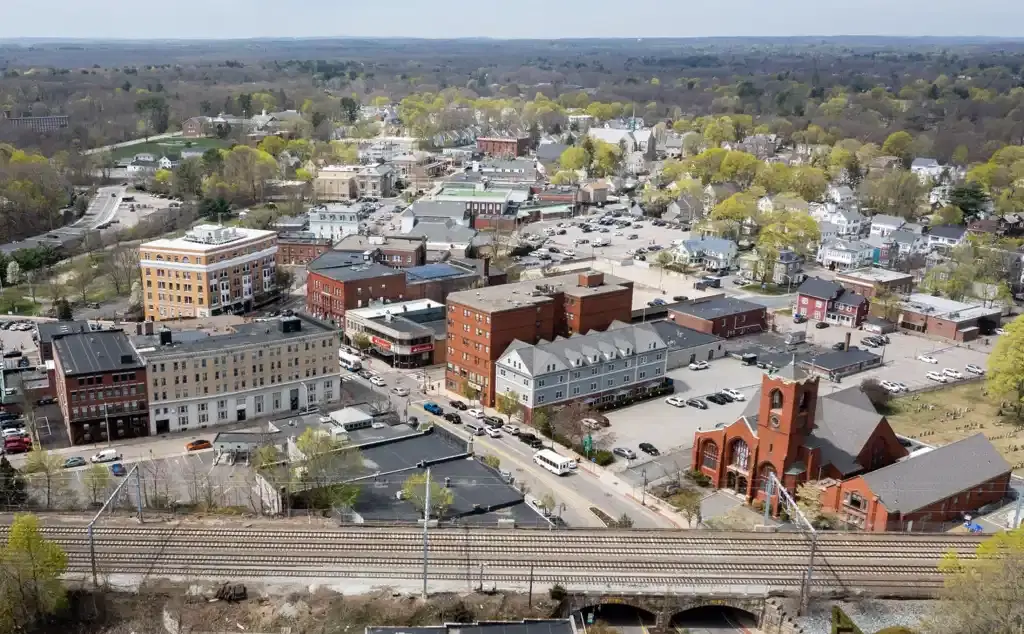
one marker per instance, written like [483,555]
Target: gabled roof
[904,237]
[924,163]
[949,232]
[883,220]
[585,350]
[551,152]
[932,476]
[819,288]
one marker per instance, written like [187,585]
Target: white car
[675,401]
[475,413]
[973,369]
[617,233]
[699,365]
[494,432]
[903,386]
[935,376]
[590,423]
[376,380]
[927,359]
[951,373]
[999,331]
[400,391]
[630,252]
[735,394]
[511,430]
[893,388]
[569,253]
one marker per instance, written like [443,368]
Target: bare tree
[122,268]
[82,278]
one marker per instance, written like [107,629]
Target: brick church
[789,430]
[840,441]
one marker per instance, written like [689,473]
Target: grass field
[163,146]
[954,413]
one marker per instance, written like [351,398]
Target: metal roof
[94,352]
[716,307]
[434,272]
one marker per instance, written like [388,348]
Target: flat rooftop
[450,193]
[262,333]
[205,238]
[535,292]
[943,308]
[394,308]
[872,274]
[343,267]
[96,352]
[436,271]
[715,307]
[49,329]
[368,243]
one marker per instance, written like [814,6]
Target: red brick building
[928,491]
[100,384]
[829,302]
[720,315]
[790,431]
[483,322]
[872,281]
[503,146]
[335,284]
[300,248]
[394,252]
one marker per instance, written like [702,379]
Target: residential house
[763,146]
[787,269]
[166,163]
[377,181]
[417,165]
[827,301]
[848,222]
[335,183]
[882,224]
[629,140]
[946,236]
[672,145]
[142,169]
[594,193]
[841,195]
[909,243]
[636,163]
[927,169]
[716,193]
[845,254]
[548,155]
[712,254]
[334,221]
[987,227]
[883,249]
[828,231]
[196,127]
[684,210]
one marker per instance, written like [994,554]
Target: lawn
[163,146]
[769,289]
[954,413]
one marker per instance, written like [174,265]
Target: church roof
[791,372]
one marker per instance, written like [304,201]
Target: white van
[107,455]
[475,429]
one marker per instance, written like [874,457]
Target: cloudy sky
[504,18]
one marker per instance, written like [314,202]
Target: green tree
[775,178]
[565,177]
[607,158]
[507,404]
[187,178]
[97,481]
[45,472]
[739,167]
[12,485]
[728,216]
[899,144]
[688,502]
[31,589]
[266,455]
[948,215]
[574,158]
[415,490]
[809,182]
[361,341]
[897,193]
[1005,377]
[787,229]
[247,170]
[323,480]
[272,145]
[970,198]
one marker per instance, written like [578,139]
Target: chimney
[487,266]
[165,336]
[847,345]
[591,279]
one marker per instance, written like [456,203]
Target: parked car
[511,430]
[657,301]
[118,469]
[531,440]
[379,382]
[973,369]
[459,405]
[870,342]
[679,298]
[649,449]
[398,390]
[839,346]
[366,374]
[475,413]
[699,365]
[999,331]
[625,452]
[821,324]
[696,402]
[74,461]
[453,418]
[717,399]
[46,400]
[676,401]
[951,373]
[935,376]
[893,388]
[197,445]
[927,359]
[799,319]
[734,394]
[433,408]
[494,432]
[590,423]
[493,421]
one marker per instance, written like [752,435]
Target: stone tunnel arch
[617,614]
[713,615]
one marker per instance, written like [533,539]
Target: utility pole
[530,599]
[426,524]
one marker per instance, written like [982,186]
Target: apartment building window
[575,391]
[258,400]
[593,386]
[642,375]
[540,399]
[611,382]
[559,394]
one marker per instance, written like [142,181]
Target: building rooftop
[885,220]
[519,294]
[356,242]
[442,231]
[258,333]
[436,271]
[47,330]
[439,209]
[462,193]
[595,347]
[714,307]
[819,288]
[943,308]
[204,238]
[932,476]
[342,266]
[839,359]
[396,308]
[678,337]
[301,237]
[872,274]
[949,232]
[94,352]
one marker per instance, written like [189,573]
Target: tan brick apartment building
[254,370]
[300,247]
[209,271]
[483,322]
[100,384]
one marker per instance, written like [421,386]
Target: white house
[946,236]
[909,242]
[845,254]
[142,168]
[709,253]
[334,221]
[828,231]
[144,157]
[841,195]
[882,225]
[847,222]
[166,164]
[926,169]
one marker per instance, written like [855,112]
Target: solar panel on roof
[433,271]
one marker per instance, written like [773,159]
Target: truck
[349,361]
[602,242]
[795,337]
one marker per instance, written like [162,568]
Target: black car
[696,402]
[459,405]
[679,298]
[554,250]
[649,449]
[840,345]
[821,324]
[728,399]
[46,400]
[453,418]
[717,399]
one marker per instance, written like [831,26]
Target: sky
[222,19]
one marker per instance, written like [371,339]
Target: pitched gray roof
[817,287]
[448,231]
[902,236]
[577,351]
[678,337]
[887,221]
[952,232]
[438,209]
[551,152]
[931,477]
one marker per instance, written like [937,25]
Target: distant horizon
[469,38]
[187,20]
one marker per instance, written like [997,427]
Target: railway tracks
[601,559]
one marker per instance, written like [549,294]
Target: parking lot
[671,429]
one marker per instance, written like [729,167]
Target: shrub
[557,592]
[700,479]
[603,457]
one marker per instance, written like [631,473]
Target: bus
[349,361]
[553,462]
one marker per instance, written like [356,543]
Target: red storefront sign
[380,343]
[423,347]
